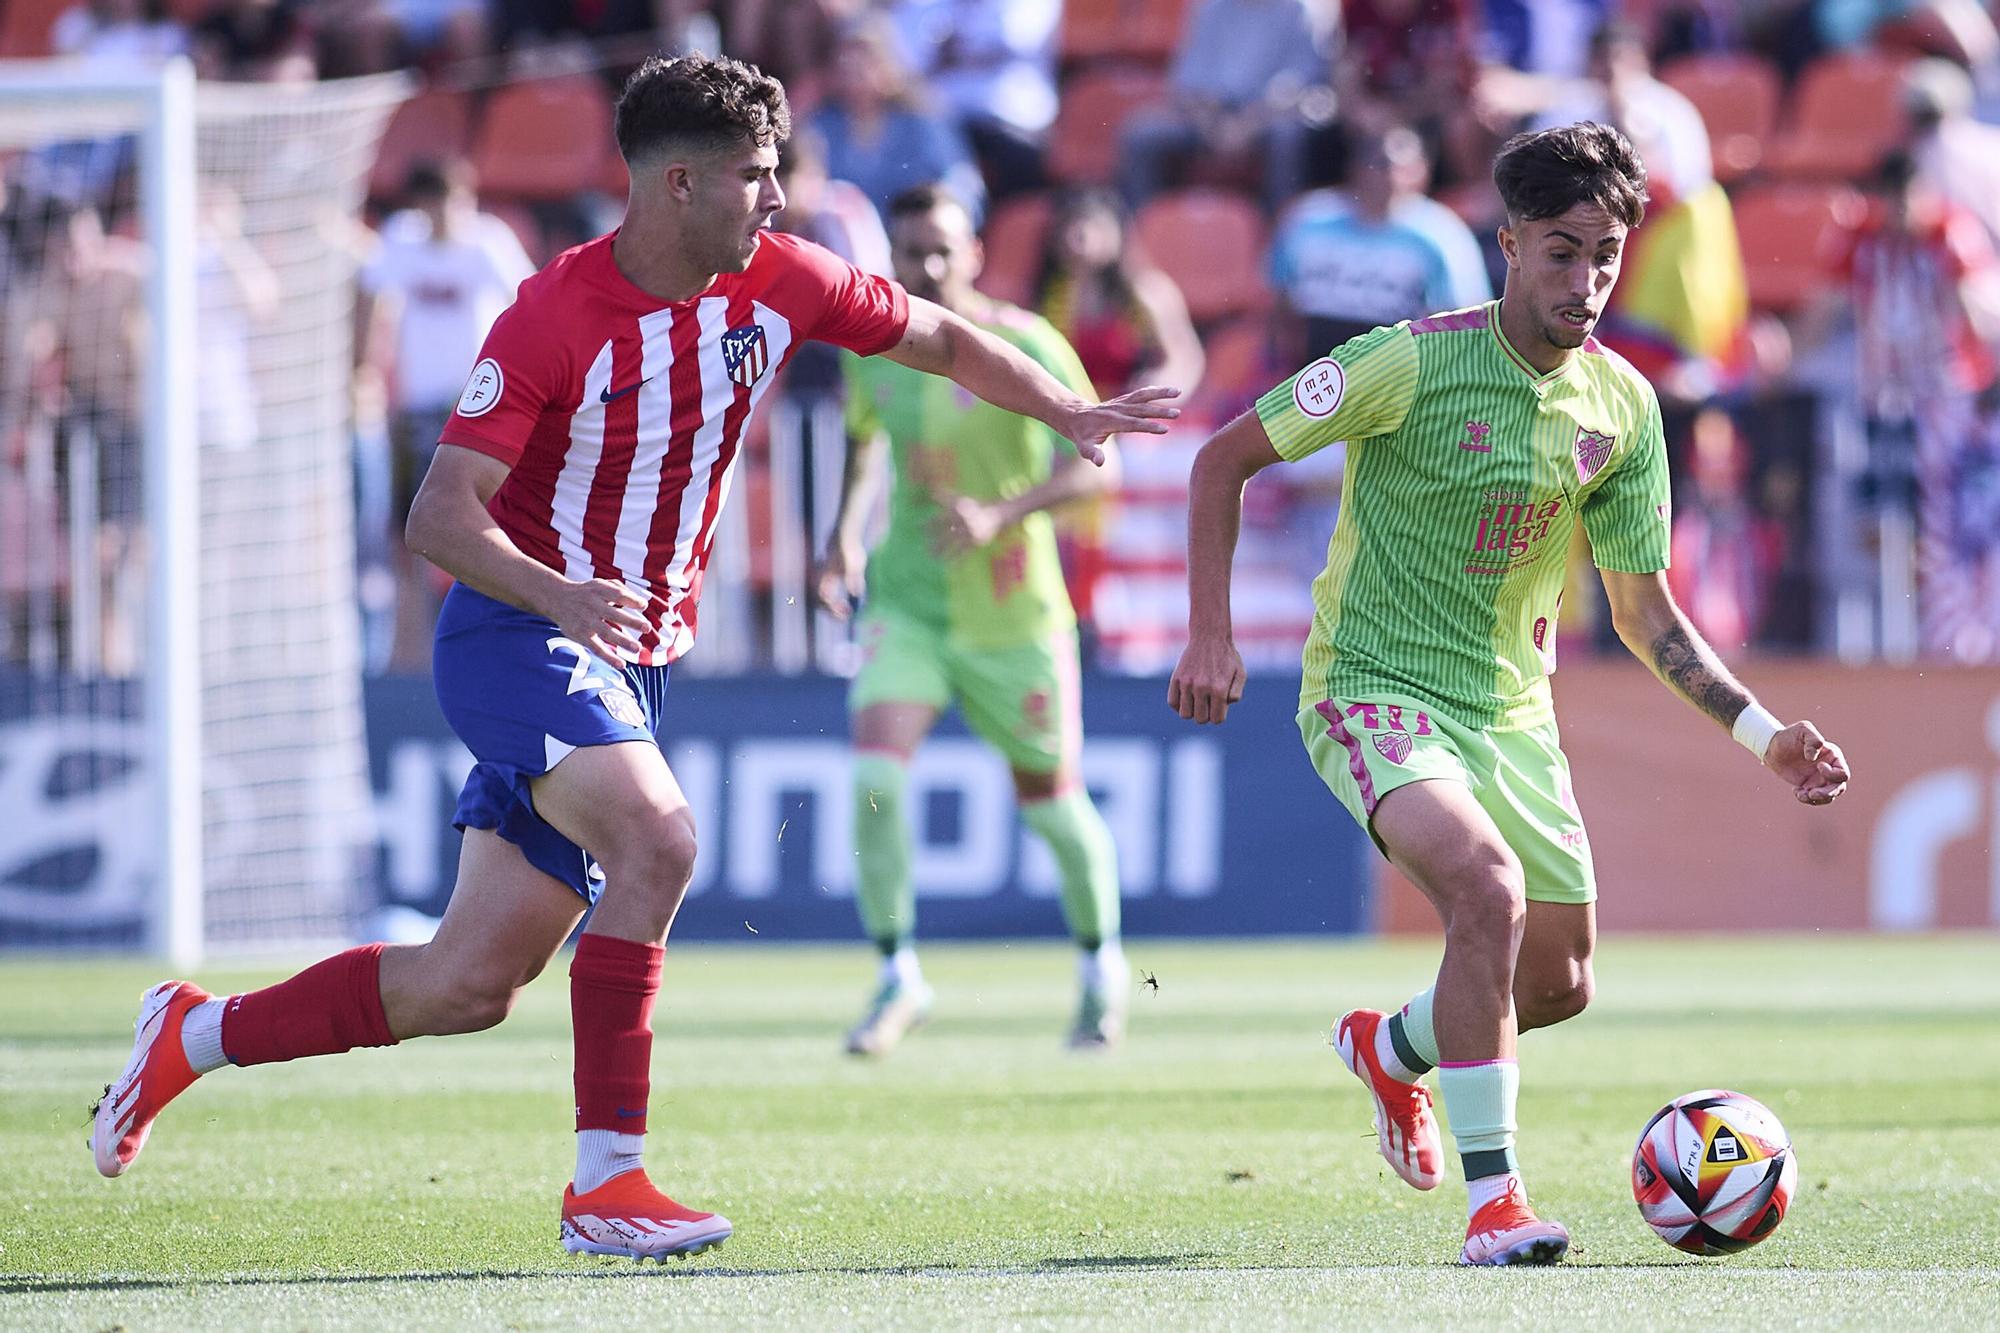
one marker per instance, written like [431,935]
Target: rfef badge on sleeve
[1318,389]
[745,353]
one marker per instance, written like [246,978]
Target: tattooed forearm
[1684,661]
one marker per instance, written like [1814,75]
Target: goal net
[182,760]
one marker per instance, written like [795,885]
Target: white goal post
[202,786]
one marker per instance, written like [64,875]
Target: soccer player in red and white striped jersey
[574,498]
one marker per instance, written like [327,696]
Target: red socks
[332,1006]
[612,983]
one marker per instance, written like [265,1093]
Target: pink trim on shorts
[882,751]
[1462,321]
[1067,789]
[1471,1064]
[1356,766]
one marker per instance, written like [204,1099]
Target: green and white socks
[1479,1099]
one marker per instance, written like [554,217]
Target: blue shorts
[521,696]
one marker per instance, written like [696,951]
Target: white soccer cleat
[898,1009]
[156,1073]
[1100,1019]
[1406,1130]
[626,1216]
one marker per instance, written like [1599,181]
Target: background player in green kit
[1477,440]
[966,605]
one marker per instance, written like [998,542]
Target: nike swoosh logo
[605,395]
[624,1114]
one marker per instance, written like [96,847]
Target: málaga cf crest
[745,354]
[1591,451]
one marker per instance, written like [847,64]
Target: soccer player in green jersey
[966,605]
[1476,442]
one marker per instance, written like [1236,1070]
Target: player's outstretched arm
[449,527]
[941,343]
[1656,631]
[1209,676]
[838,584]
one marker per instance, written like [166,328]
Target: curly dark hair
[703,103]
[1544,175]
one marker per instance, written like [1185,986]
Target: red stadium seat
[435,124]
[1787,232]
[1212,243]
[25,24]
[1738,97]
[520,219]
[545,139]
[1083,144]
[1846,113]
[1014,236]
[1147,30]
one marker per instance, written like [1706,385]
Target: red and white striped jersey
[621,414]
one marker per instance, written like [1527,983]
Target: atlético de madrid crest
[745,354]
[1592,449]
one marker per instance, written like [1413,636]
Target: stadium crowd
[1197,192]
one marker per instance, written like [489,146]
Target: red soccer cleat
[157,1073]
[1405,1129]
[1506,1231]
[627,1216]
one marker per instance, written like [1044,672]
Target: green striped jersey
[943,442]
[1467,471]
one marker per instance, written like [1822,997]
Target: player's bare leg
[886,735]
[621,801]
[1437,834]
[1552,975]
[1059,810]
[504,922]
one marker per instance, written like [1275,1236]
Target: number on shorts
[585,674]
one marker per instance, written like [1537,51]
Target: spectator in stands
[74,325]
[1725,554]
[1959,30]
[1547,37]
[1662,124]
[876,132]
[1956,155]
[1347,261]
[1407,60]
[444,272]
[255,41]
[1124,317]
[114,34]
[1130,328]
[992,62]
[1234,90]
[1910,269]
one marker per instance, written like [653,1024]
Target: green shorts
[1366,748]
[1025,701]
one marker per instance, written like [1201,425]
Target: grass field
[1215,1172]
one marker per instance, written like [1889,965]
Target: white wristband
[1755,726]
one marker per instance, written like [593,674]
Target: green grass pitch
[1216,1172]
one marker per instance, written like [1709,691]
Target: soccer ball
[1713,1172]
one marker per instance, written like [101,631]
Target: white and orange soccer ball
[1714,1172]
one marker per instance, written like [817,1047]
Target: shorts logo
[622,707]
[1318,389]
[1542,634]
[1394,745]
[745,353]
[1592,448]
[482,389]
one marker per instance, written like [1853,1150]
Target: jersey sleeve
[515,380]
[1362,389]
[838,303]
[1628,516]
